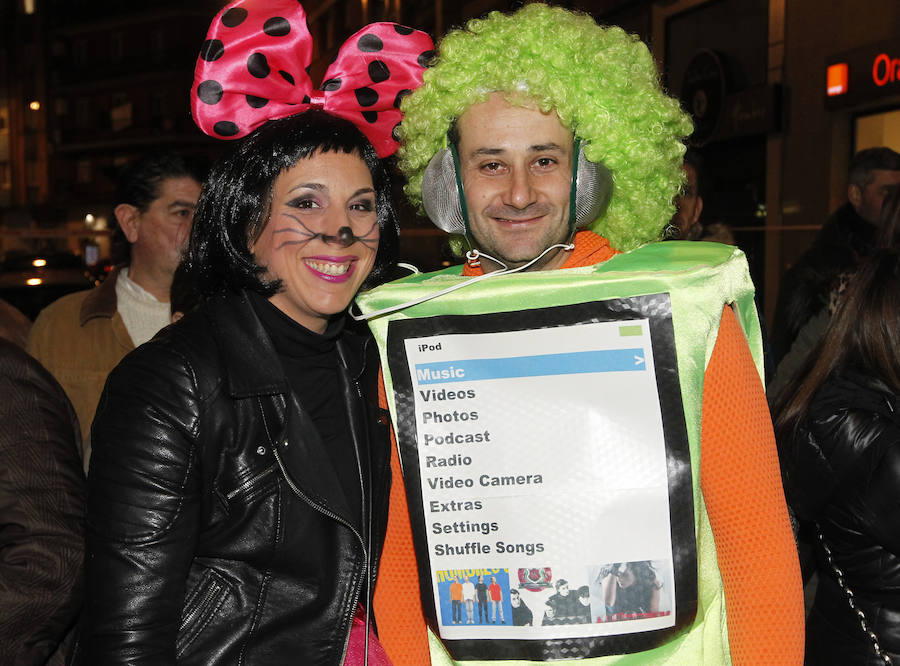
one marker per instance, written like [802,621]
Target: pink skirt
[356,648]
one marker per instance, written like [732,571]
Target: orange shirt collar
[590,249]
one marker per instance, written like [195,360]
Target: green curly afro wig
[601,81]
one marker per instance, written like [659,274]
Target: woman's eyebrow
[309,186]
[323,188]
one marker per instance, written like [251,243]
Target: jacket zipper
[213,590]
[366,518]
[366,498]
[249,482]
[330,514]
[206,597]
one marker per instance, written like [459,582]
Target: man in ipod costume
[517,107]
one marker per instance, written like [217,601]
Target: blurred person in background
[685,224]
[82,336]
[838,427]
[847,237]
[14,325]
[42,493]
[887,237]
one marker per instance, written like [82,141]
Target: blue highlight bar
[473,370]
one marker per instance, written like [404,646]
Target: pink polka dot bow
[253,68]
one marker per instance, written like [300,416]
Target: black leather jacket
[843,241]
[845,476]
[218,532]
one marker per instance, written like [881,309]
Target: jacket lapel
[254,371]
[248,354]
[306,465]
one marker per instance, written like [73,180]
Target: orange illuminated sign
[885,69]
[868,74]
[838,77]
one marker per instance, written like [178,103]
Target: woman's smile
[332,269]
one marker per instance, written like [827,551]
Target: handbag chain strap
[839,578]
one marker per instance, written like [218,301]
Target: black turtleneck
[310,362]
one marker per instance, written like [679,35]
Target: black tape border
[657,309]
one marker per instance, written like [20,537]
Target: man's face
[563,590]
[161,232]
[514,599]
[516,168]
[867,201]
[688,203]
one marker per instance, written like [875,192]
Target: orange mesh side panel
[741,484]
[397,605]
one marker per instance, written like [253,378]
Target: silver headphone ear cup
[593,190]
[440,194]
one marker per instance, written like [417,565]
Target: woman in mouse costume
[240,475]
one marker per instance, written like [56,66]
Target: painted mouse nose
[343,238]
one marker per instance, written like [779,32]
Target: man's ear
[129,218]
[854,195]
[698,208]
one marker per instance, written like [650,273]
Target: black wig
[234,206]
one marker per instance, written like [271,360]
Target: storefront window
[878,129]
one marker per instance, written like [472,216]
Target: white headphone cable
[471,255]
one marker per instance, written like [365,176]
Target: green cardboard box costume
[699,279]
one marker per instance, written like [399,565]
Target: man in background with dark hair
[846,238]
[82,336]
[685,224]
